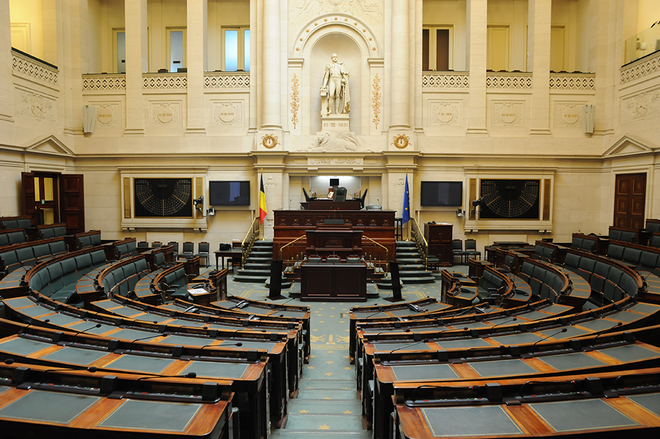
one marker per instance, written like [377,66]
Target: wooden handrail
[252,232]
[291,242]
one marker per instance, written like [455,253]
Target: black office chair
[340,194]
[362,198]
[306,196]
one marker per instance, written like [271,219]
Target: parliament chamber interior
[368,219]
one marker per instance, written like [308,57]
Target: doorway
[51,198]
[630,200]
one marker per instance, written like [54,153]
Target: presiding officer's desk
[339,282]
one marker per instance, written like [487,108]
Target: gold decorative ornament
[269,141]
[401,141]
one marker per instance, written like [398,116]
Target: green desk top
[4,388]
[517,339]
[60,319]
[462,344]
[267,345]
[42,406]
[23,346]
[469,421]
[150,415]
[424,372]
[502,368]
[18,302]
[630,353]
[181,322]
[137,363]
[626,316]
[403,346]
[566,416]
[650,402]
[597,324]
[182,340]
[571,331]
[212,369]
[575,360]
[35,311]
[134,334]
[73,355]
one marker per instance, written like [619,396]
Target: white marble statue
[335,92]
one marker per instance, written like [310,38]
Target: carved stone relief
[507,114]
[640,106]
[444,113]
[35,106]
[165,113]
[107,115]
[227,113]
[305,8]
[568,115]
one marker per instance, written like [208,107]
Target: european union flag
[406,204]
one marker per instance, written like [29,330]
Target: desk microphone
[551,335]
[372,314]
[147,338]
[501,323]
[593,341]
[407,346]
[98,325]
[22,331]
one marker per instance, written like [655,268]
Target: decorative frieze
[445,80]
[568,115]
[580,81]
[640,68]
[512,81]
[107,115]
[34,69]
[376,96]
[334,161]
[161,81]
[220,80]
[295,100]
[103,83]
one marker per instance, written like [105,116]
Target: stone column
[6,81]
[136,64]
[477,19]
[400,66]
[603,21]
[539,18]
[196,62]
[72,62]
[270,69]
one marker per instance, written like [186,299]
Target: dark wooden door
[72,196]
[629,201]
[29,196]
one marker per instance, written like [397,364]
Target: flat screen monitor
[229,193]
[442,193]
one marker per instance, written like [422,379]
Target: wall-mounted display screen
[442,193]
[163,197]
[510,199]
[229,193]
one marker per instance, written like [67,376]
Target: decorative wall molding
[336,19]
[335,161]
[301,8]
[509,81]
[227,113]
[640,106]
[34,69]
[437,80]
[35,106]
[220,80]
[577,81]
[568,115]
[376,96]
[165,114]
[295,100]
[160,81]
[444,113]
[508,114]
[642,67]
[107,115]
[103,82]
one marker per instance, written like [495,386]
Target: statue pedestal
[335,123]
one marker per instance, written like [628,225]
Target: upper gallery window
[236,49]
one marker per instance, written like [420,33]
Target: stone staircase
[411,266]
[257,267]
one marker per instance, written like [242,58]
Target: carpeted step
[413,273]
[259,259]
[245,278]
[409,261]
[252,272]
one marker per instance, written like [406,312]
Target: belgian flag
[263,211]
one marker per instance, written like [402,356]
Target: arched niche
[356,47]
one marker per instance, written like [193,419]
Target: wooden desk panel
[340,282]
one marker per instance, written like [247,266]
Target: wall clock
[510,199]
[165,197]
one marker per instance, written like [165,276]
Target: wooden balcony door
[629,201]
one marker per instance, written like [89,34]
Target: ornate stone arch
[323,22]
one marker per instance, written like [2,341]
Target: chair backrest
[188,247]
[143,244]
[470,244]
[175,245]
[203,247]
[457,244]
[156,244]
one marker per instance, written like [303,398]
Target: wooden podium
[333,282]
